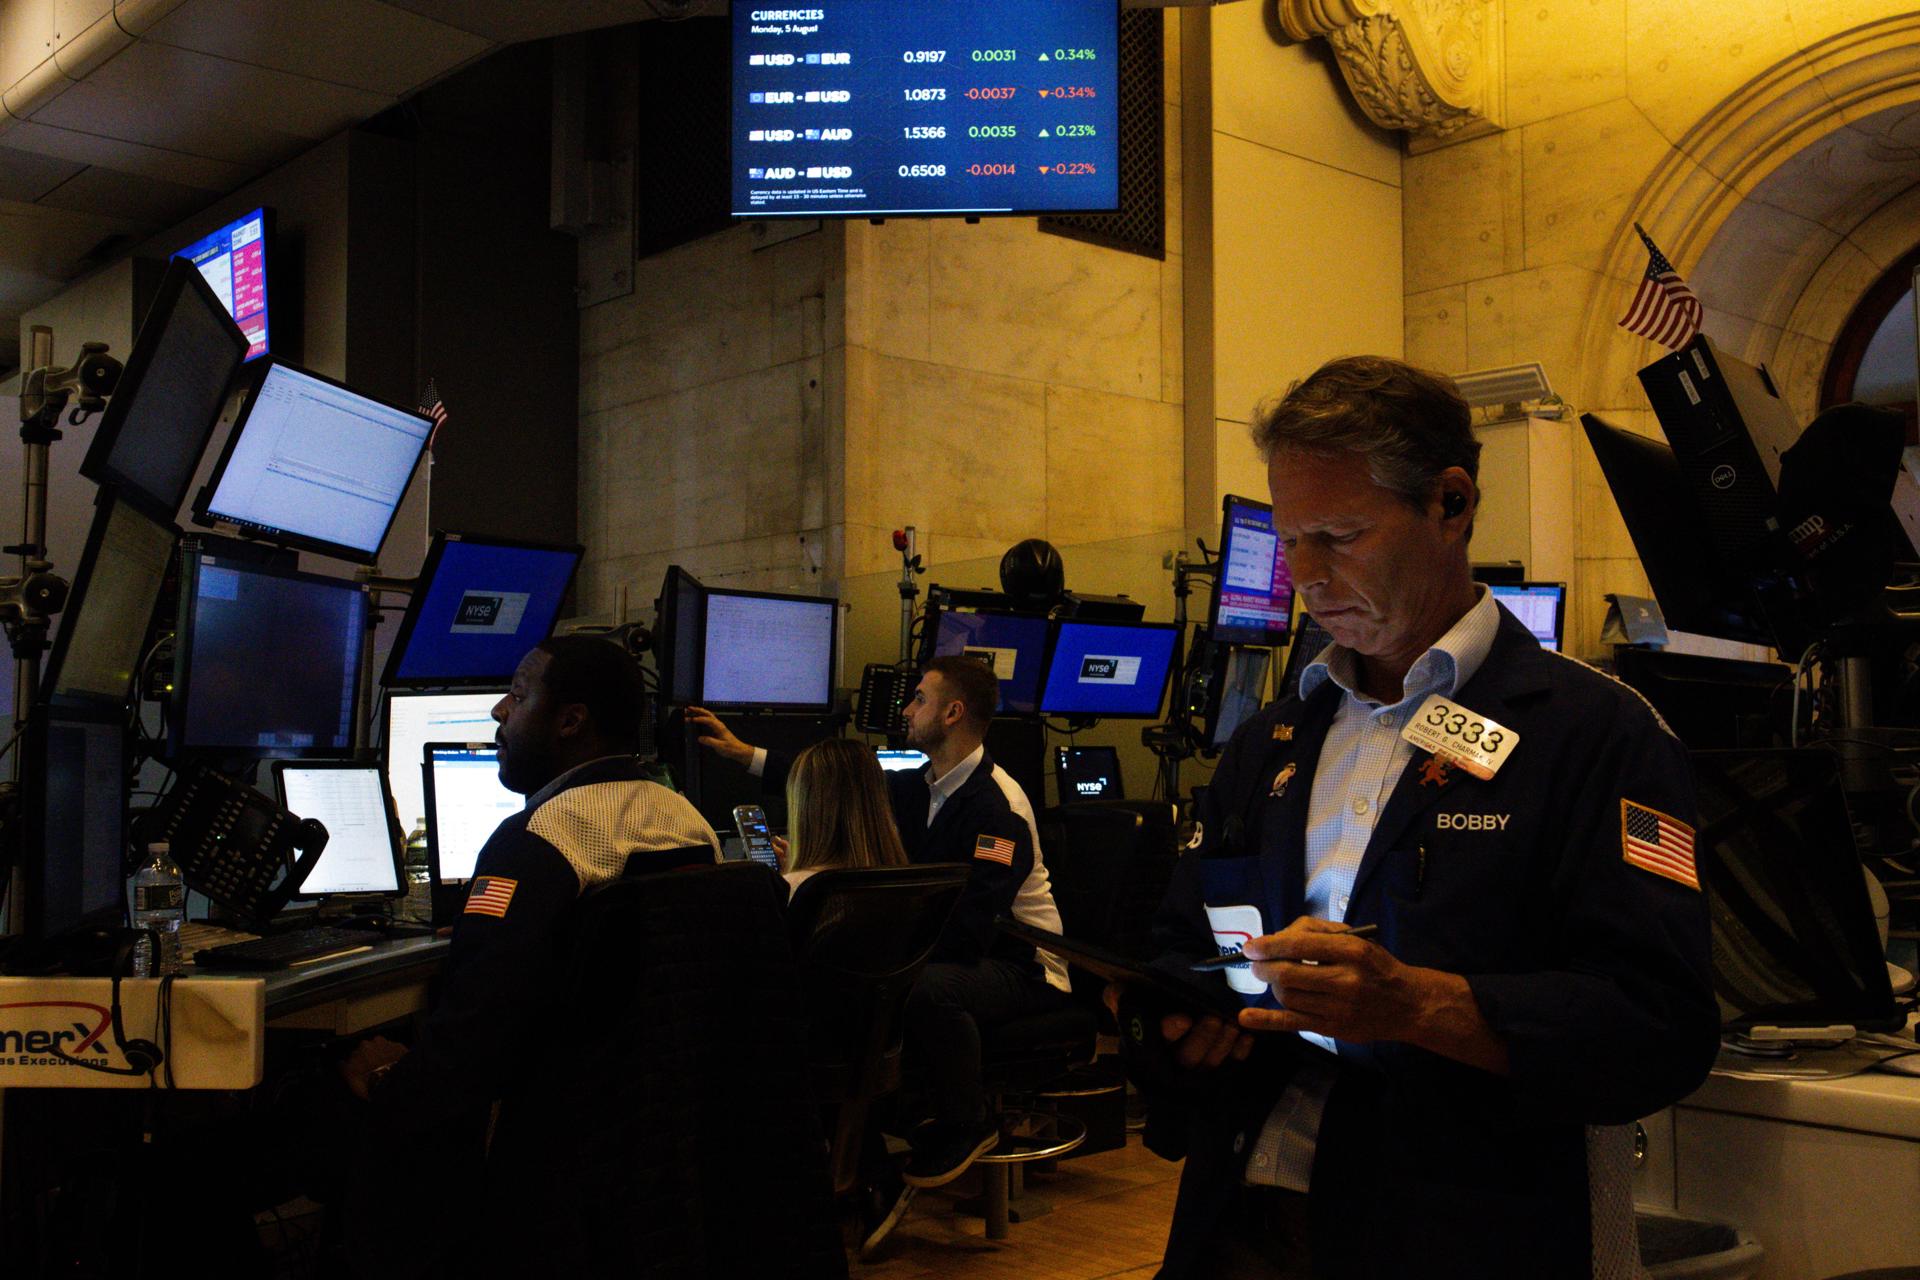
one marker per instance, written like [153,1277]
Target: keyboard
[288,950]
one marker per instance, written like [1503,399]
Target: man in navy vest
[1452,1097]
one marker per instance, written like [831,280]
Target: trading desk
[355,992]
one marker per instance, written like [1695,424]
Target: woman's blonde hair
[837,809]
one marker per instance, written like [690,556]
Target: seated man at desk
[961,807]
[570,729]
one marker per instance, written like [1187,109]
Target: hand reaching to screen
[717,738]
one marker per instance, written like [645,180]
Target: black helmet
[1033,574]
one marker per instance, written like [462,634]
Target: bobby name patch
[490,896]
[994,849]
[1655,842]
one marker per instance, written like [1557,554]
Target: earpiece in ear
[1452,504]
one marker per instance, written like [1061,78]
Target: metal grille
[684,146]
[1140,225]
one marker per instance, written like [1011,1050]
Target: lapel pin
[1281,779]
[1283,733]
[1436,772]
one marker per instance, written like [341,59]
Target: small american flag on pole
[432,407]
[1655,842]
[1663,309]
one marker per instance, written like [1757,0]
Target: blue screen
[1254,597]
[485,607]
[1108,669]
[866,107]
[1538,606]
[234,261]
[1013,645]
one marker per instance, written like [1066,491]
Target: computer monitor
[1310,639]
[1084,774]
[176,382]
[1013,644]
[233,262]
[73,869]
[680,620]
[121,574]
[466,801]
[899,761]
[759,649]
[1240,690]
[267,659]
[314,464]
[1108,669]
[364,853]
[415,719]
[1794,939]
[1540,606]
[1696,592]
[1253,592]
[479,605]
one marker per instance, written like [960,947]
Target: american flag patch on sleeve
[1655,842]
[994,849]
[490,896]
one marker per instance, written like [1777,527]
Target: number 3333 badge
[1460,736]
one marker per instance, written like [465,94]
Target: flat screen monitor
[479,605]
[74,869]
[764,650]
[364,853]
[315,465]
[1116,669]
[466,801]
[1540,606]
[1696,592]
[900,761]
[1241,687]
[415,719]
[1013,644]
[1084,774]
[680,620]
[233,262]
[870,107]
[1253,594]
[1794,939]
[176,382]
[114,593]
[267,659]
[1310,639]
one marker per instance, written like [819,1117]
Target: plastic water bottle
[159,903]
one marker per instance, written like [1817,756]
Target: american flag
[1663,309]
[994,849]
[490,896]
[432,407]
[1654,842]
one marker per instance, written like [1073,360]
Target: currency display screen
[861,108]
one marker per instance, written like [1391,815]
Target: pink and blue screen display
[234,261]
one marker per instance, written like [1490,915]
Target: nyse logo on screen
[484,613]
[1101,668]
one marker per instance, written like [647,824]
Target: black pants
[948,1008]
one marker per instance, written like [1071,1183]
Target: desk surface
[395,963]
[1873,1102]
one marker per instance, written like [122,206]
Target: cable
[10,741]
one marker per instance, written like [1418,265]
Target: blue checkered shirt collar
[1449,664]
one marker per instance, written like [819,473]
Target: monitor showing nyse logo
[1101,668]
[489,613]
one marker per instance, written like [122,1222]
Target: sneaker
[949,1151]
[884,1209]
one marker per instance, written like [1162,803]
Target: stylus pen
[1236,960]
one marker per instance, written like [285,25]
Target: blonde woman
[838,814]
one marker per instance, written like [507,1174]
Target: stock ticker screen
[873,107]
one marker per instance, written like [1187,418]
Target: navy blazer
[1593,972]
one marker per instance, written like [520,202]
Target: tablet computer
[1205,993]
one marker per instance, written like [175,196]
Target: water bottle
[160,904]
[419,874]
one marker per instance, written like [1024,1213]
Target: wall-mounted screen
[858,108]
[234,261]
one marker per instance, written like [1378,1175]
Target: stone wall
[1765,144]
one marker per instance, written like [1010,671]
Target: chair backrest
[861,937]
[665,1115]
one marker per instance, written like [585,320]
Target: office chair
[860,938]
[660,1128]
